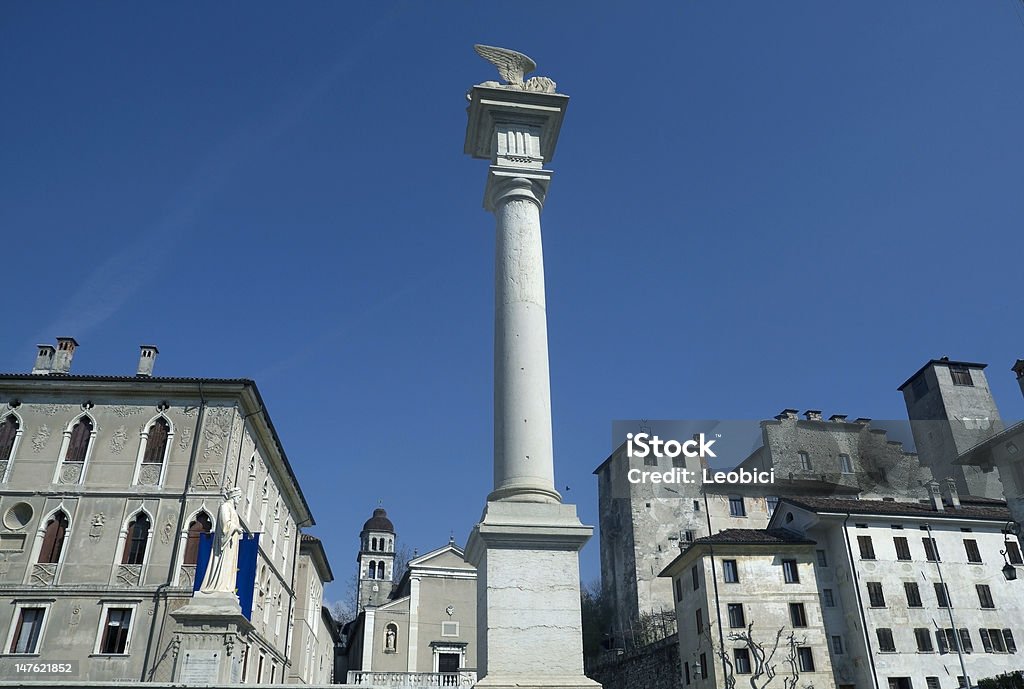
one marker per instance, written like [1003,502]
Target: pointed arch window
[156,443]
[135,543]
[81,434]
[8,432]
[53,538]
[198,526]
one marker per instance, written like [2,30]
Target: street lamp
[1009,571]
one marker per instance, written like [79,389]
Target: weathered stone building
[106,483]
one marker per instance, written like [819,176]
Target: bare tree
[344,610]
[403,554]
[764,668]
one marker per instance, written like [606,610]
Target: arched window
[53,538]
[373,545]
[200,525]
[81,433]
[135,543]
[8,432]
[156,444]
[371,571]
[391,545]
[380,569]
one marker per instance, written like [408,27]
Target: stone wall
[655,666]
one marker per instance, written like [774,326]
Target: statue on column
[223,567]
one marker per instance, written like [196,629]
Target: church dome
[379,522]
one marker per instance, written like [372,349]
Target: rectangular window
[805,659]
[1013,553]
[822,558]
[924,640]
[686,671]
[931,550]
[730,573]
[696,505]
[805,461]
[875,594]
[736,619]
[902,547]
[695,575]
[932,682]
[736,506]
[771,502]
[913,594]
[742,661]
[699,616]
[961,375]
[971,546]
[828,598]
[845,465]
[1011,645]
[115,631]
[27,630]
[797,615]
[885,640]
[790,572]
[996,638]
[942,595]
[985,596]
[703,666]
[867,548]
[679,590]
[837,645]
[965,640]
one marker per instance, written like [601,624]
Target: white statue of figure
[223,567]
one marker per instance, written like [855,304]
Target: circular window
[18,516]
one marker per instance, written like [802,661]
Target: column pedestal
[529,632]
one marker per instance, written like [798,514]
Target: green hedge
[1012,680]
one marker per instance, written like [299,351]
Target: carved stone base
[209,635]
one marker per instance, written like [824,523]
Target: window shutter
[986,642]
[1011,645]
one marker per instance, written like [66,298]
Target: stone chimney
[813,415]
[838,418]
[863,421]
[952,494]
[935,495]
[65,353]
[44,360]
[147,357]
[786,414]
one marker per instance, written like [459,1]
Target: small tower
[376,560]
[951,409]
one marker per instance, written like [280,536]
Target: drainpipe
[162,588]
[949,606]
[860,604]
[714,581]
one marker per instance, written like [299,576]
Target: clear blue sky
[755,206]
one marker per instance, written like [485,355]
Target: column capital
[505,183]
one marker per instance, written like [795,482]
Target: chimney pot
[863,421]
[787,414]
[147,357]
[838,418]
[65,353]
[952,493]
[935,496]
[44,360]
[813,415]
[1018,368]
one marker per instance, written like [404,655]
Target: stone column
[526,546]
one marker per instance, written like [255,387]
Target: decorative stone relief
[40,439]
[71,473]
[149,474]
[5,564]
[43,575]
[125,410]
[216,430]
[208,479]
[96,526]
[54,409]
[129,575]
[186,436]
[165,533]
[118,440]
[76,616]
[187,578]
[189,412]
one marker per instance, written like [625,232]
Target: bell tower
[376,560]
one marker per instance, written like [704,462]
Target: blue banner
[245,581]
[245,578]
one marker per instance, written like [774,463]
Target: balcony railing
[411,680]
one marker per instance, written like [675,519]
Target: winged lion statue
[513,67]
